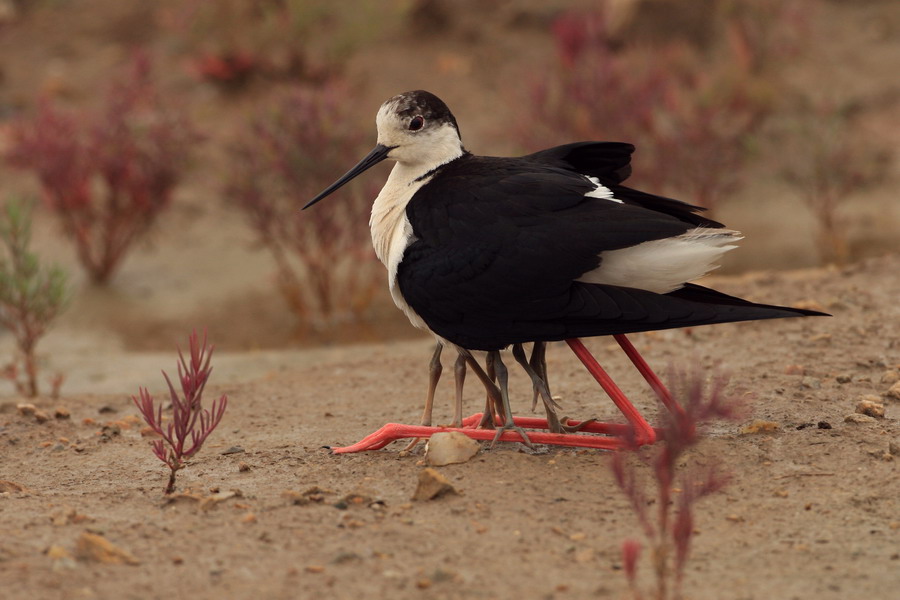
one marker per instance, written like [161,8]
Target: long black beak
[378,154]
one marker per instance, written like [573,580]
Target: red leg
[644,433]
[396,431]
[641,365]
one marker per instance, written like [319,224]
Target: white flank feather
[665,265]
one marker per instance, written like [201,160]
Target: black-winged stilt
[491,252]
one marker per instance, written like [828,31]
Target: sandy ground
[810,512]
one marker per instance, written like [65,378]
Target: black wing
[610,163]
[526,223]
[499,243]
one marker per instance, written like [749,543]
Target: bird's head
[416,129]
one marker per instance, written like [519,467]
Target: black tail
[743,310]
[606,310]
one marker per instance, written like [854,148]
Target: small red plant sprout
[670,530]
[191,424]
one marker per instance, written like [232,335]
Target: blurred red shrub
[231,41]
[231,71]
[691,113]
[327,269]
[829,159]
[107,175]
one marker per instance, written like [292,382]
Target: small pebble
[894,391]
[432,485]
[58,552]
[811,383]
[208,502]
[26,410]
[61,412]
[760,427]
[108,432]
[450,447]
[844,378]
[891,376]
[858,418]
[243,467]
[868,406]
[11,486]
[93,547]
[294,497]
[440,575]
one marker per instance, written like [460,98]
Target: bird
[490,252]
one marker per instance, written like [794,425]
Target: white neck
[388,219]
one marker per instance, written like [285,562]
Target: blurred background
[167,146]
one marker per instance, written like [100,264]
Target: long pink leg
[661,391]
[644,433]
[396,431]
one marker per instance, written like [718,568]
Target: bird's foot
[486,420]
[412,445]
[576,427]
[504,432]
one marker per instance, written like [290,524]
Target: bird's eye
[417,123]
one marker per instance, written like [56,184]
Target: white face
[415,140]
